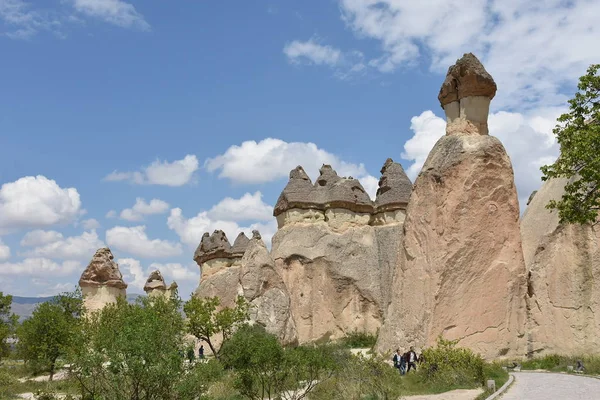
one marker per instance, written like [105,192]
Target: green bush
[264,369]
[558,363]
[359,340]
[449,366]
[361,378]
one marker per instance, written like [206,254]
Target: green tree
[8,322]
[265,369]
[50,332]
[578,134]
[134,351]
[205,320]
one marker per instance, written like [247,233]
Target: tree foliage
[8,322]
[131,351]
[578,134]
[50,332]
[266,370]
[205,320]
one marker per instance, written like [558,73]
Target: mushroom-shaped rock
[467,77]
[102,271]
[212,246]
[155,281]
[256,235]
[465,97]
[240,245]
[333,191]
[296,194]
[394,188]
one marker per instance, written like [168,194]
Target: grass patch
[558,363]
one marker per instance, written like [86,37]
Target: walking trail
[543,386]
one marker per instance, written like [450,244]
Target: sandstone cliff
[463,274]
[101,282]
[336,250]
[245,269]
[563,263]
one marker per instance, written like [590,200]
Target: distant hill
[24,306]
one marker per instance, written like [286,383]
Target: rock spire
[465,97]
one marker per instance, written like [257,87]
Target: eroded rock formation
[101,282]
[156,286]
[336,250]
[463,274]
[246,269]
[563,263]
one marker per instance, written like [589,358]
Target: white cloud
[191,230]
[36,202]
[528,140]
[116,12]
[4,251]
[133,273]
[80,247]
[177,272]
[532,49]
[248,207]
[40,237]
[42,267]
[25,21]
[111,214]
[134,240]
[272,159]
[345,64]
[312,52]
[89,224]
[141,208]
[176,173]
[428,128]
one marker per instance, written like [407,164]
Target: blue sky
[143,124]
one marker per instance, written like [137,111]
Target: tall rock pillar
[101,282]
[462,274]
[563,267]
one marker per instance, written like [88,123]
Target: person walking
[201,352]
[411,358]
[397,360]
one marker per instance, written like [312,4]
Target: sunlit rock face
[155,286]
[563,264]
[246,269]
[101,282]
[337,250]
[462,273]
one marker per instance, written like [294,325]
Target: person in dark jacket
[201,352]
[397,360]
[411,359]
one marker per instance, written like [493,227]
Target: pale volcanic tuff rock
[214,252]
[465,97]
[563,263]
[392,195]
[254,277]
[101,282]
[337,251]
[341,202]
[155,285]
[463,273]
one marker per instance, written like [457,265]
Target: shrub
[264,369]
[449,366]
[357,340]
[361,378]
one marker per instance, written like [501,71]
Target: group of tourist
[407,361]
